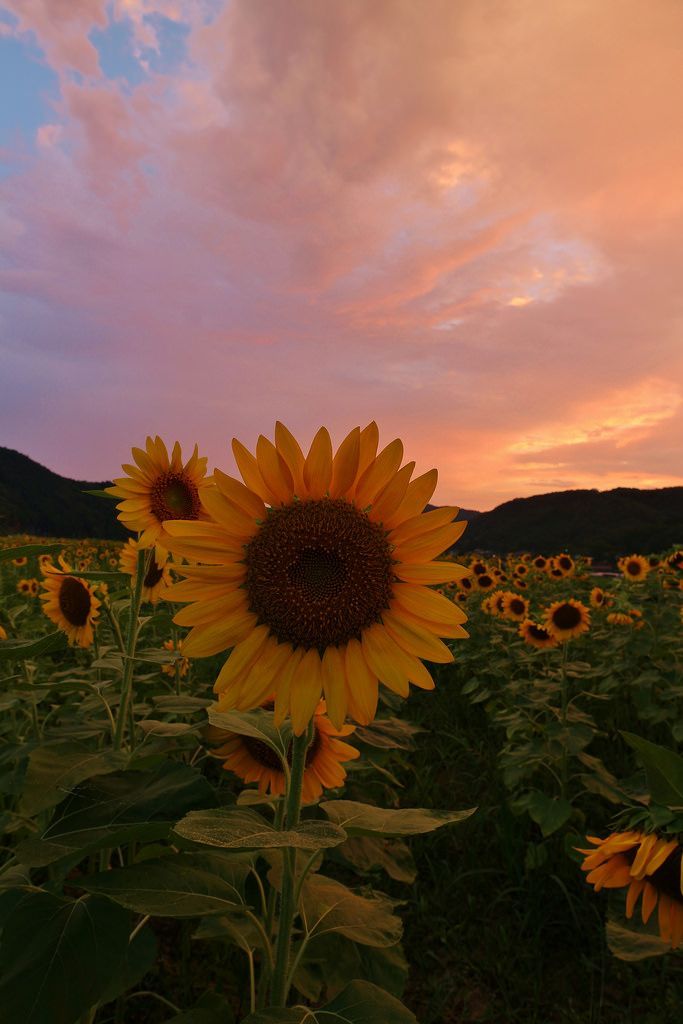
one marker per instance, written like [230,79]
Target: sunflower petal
[275,471]
[416,640]
[378,474]
[306,688]
[240,495]
[334,686]
[362,684]
[291,452]
[418,494]
[378,653]
[392,495]
[318,465]
[345,464]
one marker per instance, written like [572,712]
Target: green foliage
[359,1003]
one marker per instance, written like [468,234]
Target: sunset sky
[461,218]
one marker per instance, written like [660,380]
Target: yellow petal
[416,640]
[393,494]
[649,901]
[203,641]
[640,862]
[242,657]
[634,891]
[427,604]
[216,610]
[238,523]
[334,686]
[378,651]
[431,573]
[258,685]
[423,523]
[283,687]
[306,689]
[418,494]
[369,443]
[236,492]
[345,464]
[318,465]
[362,684]
[290,450]
[431,544]
[275,471]
[248,467]
[378,474]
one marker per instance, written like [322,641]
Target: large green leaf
[54,770]
[331,961]
[258,724]
[17,650]
[664,770]
[117,808]
[180,885]
[360,1002]
[550,813]
[239,828]
[628,942]
[368,852]
[328,906]
[365,819]
[58,956]
[27,550]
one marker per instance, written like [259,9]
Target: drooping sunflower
[567,619]
[44,560]
[519,583]
[598,597]
[70,603]
[634,567]
[620,619]
[536,636]
[515,608]
[158,576]
[254,761]
[316,573]
[646,864]
[159,488]
[565,563]
[554,570]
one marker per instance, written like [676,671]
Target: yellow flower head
[515,607]
[620,619]
[565,563]
[159,488]
[536,636]
[316,572]
[70,603]
[567,619]
[598,597]
[635,567]
[646,865]
[540,562]
[157,578]
[21,560]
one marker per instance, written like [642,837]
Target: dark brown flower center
[318,573]
[485,581]
[667,878]
[266,756]
[517,606]
[153,575]
[564,562]
[567,616]
[174,496]
[634,568]
[539,562]
[538,632]
[74,601]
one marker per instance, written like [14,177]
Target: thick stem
[563,680]
[144,559]
[280,988]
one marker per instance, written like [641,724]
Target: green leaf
[359,1003]
[180,885]
[140,957]
[388,733]
[99,493]
[664,770]
[117,808]
[330,907]
[550,813]
[258,724]
[57,957]
[54,770]
[365,820]
[368,852]
[627,943]
[233,928]
[20,649]
[239,828]
[209,1009]
[27,550]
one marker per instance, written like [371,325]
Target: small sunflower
[634,567]
[565,563]
[554,570]
[254,761]
[182,664]
[157,578]
[675,561]
[598,597]
[21,560]
[70,603]
[515,608]
[540,562]
[159,488]
[519,583]
[536,636]
[466,584]
[645,864]
[478,568]
[567,619]
[484,581]
[316,573]
[620,619]
[24,587]
[520,569]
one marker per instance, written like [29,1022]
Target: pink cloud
[459,219]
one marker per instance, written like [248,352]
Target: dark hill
[590,522]
[35,500]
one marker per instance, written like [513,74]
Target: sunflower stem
[563,681]
[144,560]
[280,988]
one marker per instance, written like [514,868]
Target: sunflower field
[223,801]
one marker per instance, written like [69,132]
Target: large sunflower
[158,576]
[254,761]
[646,864]
[567,619]
[70,603]
[158,488]
[316,573]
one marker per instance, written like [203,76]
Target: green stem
[144,559]
[280,988]
[563,680]
[265,973]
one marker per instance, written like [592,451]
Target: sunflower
[478,568]
[34,587]
[24,587]
[70,603]
[540,562]
[645,864]
[598,597]
[44,560]
[484,581]
[21,560]
[515,608]
[3,633]
[535,635]
[519,583]
[462,596]
[554,570]
[635,567]
[565,563]
[157,578]
[520,569]
[316,573]
[675,561]
[654,562]
[495,602]
[159,488]
[466,584]
[567,619]
[620,619]
[181,664]
[254,761]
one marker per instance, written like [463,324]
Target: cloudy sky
[461,218]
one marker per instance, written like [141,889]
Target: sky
[460,219]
